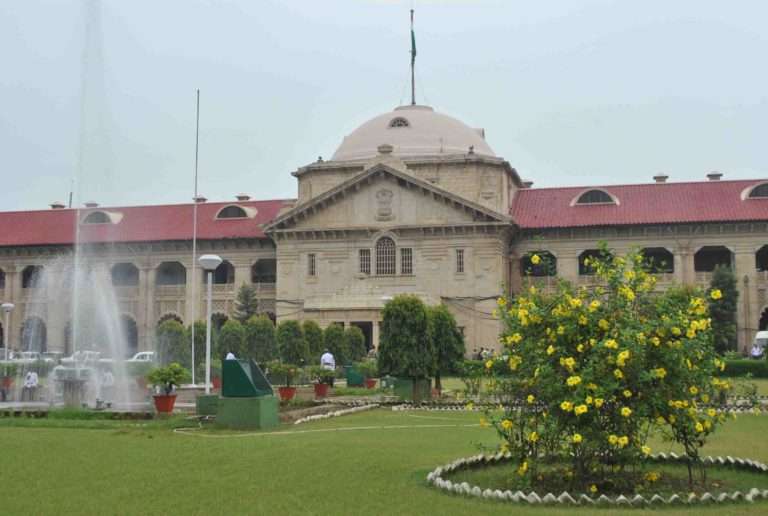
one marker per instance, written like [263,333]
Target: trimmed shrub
[406,349]
[314,335]
[260,339]
[171,344]
[334,339]
[291,344]
[355,343]
[232,340]
[742,367]
[446,340]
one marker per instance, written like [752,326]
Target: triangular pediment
[384,197]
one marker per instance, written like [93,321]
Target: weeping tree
[314,335]
[355,343]
[171,344]
[446,340]
[723,304]
[260,339]
[246,304]
[232,340]
[334,340]
[291,343]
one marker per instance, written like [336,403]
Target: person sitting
[756,351]
[230,356]
[327,361]
[31,382]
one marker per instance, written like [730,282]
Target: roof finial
[413,63]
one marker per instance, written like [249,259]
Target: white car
[82,357]
[29,357]
[142,356]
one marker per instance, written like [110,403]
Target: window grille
[595,197]
[385,256]
[311,265]
[759,191]
[459,260]
[406,260]
[365,261]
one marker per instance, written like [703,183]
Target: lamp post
[7,308]
[209,262]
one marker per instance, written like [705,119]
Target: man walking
[328,362]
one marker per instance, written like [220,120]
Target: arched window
[658,259]
[232,212]
[223,275]
[32,276]
[97,217]
[125,275]
[34,335]
[399,122]
[587,260]
[710,256]
[546,266]
[759,192]
[595,197]
[385,256]
[264,271]
[170,273]
[2,280]
[170,317]
[761,259]
[130,335]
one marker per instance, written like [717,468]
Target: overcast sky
[569,92]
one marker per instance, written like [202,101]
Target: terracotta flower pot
[164,403]
[370,383]
[216,382]
[321,390]
[286,393]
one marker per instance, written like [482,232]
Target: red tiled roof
[138,224]
[655,203]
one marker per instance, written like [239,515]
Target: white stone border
[730,409]
[435,478]
[336,413]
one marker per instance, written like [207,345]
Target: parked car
[82,357]
[142,356]
[29,357]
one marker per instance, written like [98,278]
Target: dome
[412,131]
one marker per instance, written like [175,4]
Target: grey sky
[570,92]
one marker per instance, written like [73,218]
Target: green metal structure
[243,379]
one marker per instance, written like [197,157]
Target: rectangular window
[311,265]
[459,261]
[406,260]
[365,261]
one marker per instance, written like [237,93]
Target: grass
[368,463]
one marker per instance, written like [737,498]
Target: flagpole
[413,62]
[194,235]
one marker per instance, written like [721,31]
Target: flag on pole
[413,42]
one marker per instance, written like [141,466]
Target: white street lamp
[7,308]
[209,262]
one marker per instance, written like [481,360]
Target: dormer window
[97,217]
[595,197]
[398,122]
[232,212]
[759,192]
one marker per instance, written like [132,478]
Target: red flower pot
[7,382]
[321,390]
[216,382]
[370,383]
[164,403]
[286,393]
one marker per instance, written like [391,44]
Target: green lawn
[368,463]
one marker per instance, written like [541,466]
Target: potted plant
[215,373]
[7,374]
[369,369]
[288,372]
[323,379]
[167,379]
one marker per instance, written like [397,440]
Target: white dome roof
[412,131]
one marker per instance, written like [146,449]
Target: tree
[447,341]
[260,339]
[232,340]
[722,308]
[246,304]
[333,338]
[355,343]
[291,343]
[171,344]
[314,335]
[405,348]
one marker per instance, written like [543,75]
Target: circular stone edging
[336,413]
[435,478]
[403,407]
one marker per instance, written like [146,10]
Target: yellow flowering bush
[590,372]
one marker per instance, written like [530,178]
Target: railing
[762,276]
[170,290]
[546,283]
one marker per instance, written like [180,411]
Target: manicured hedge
[758,368]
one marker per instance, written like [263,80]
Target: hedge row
[757,368]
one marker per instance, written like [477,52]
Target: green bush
[355,343]
[320,374]
[260,339]
[742,367]
[291,343]
[246,304]
[446,340]
[406,349]
[368,368]
[232,340]
[314,335]
[171,344]
[8,369]
[287,372]
[168,377]
[335,341]
[722,310]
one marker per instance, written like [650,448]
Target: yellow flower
[567,406]
[583,320]
[531,398]
[533,437]
[550,349]
[514,338]
[501,301]
[603,324]
[623,441]
[660,420]
[690,333]
[646,450]
[532,290]
[716,294]
[626,411]
[612,439]
[515,361]
[659,373]
[573,381]
[522,468]
[594,305]
[580,409]
[652,476]
[489,364]
[469,406]
[580,348]
[589,400]
[598,402]
[618,374]
[693,390]
[535,259]
[655,341]
[575,302]
[506,424]
[629,275]
[611,344]
[627,393]
[568,362]
[711,412]
[593,489]
[576,438]
[676,331]
[699,427]
[622,358]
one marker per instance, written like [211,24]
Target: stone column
[568,266]
[375,335]
[189,302]
[149,307]
[687,270]
[748,313]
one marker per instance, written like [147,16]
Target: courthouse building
[412,201]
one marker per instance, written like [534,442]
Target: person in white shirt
[757,351]
[230,356]
[31,382]
[327,361]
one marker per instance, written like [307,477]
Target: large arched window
[2,279]
[710,256]
[32,276]
[130,335]
[595,197]
[97,217]
[232,212]
[170,273]
[223,275]
[761,259]
[125,275]
[759,192]
[34,335]
[385,257]
[264,271]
